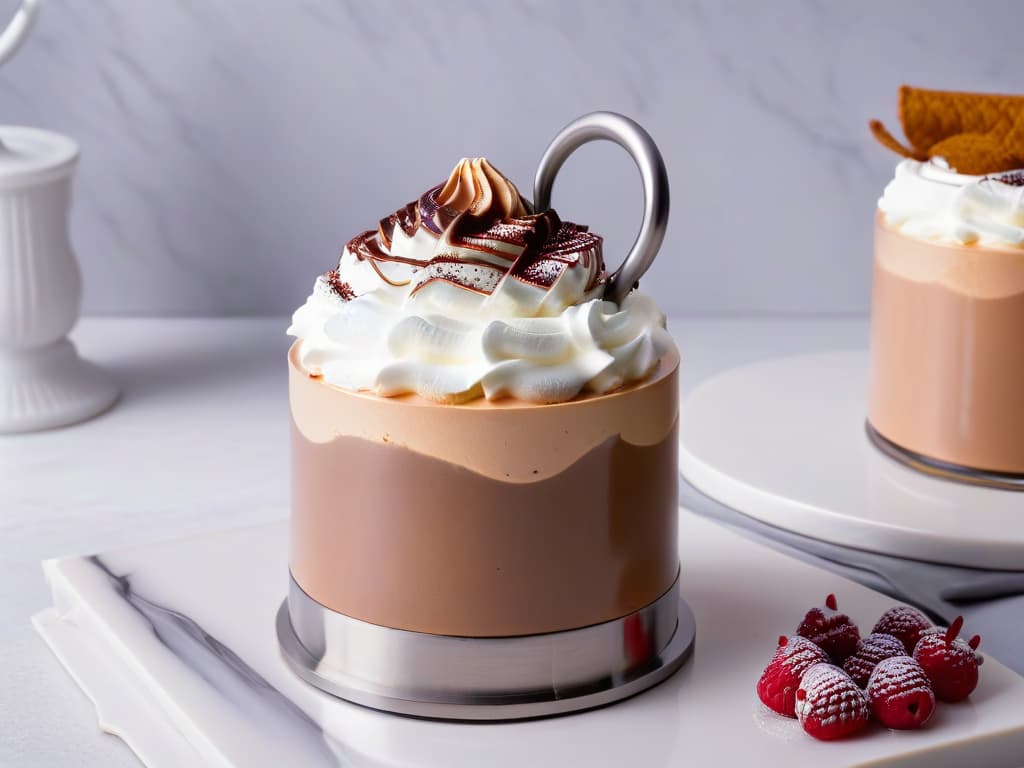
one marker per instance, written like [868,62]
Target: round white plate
[783,441]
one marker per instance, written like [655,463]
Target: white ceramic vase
[43,381]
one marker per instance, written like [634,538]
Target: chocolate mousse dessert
[947,314]
[483,447]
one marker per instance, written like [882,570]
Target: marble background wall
[230,147]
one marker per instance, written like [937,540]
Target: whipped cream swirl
[465,293]
[930,201]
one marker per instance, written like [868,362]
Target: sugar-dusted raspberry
[830,630]
[950,663]
[901,695]
[871,650]
[904,623]
[829,705]
[780,679]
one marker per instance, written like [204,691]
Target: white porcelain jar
[43,381]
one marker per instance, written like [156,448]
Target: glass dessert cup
[484,498]
[947,360]
[516,556]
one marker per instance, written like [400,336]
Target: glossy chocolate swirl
[474,233]
[467,293]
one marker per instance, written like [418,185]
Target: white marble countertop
[198,442]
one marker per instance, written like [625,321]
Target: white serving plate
[189,667]
[784,441]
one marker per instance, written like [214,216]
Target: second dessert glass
[947,318]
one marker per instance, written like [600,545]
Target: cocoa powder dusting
[339,286]
[1014,179]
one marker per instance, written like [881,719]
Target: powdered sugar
[901,695]
[871,650]
[828,697]
[898,675]
[901,690]
[830,630]
[950,663]
[904,623]
[778,683]
[799,653]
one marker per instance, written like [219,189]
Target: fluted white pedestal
[43,381]
[51,387]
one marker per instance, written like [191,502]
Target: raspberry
[829,705]
[901,696]
[830,630]
[780,679]
[905,624]
[871,650]
[950,663]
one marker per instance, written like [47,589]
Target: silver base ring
[944,469]
[484,678]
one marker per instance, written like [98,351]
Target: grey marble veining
[288,734]
[230,147]
[225,672]
[169,630]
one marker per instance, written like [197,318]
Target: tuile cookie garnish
[975,133]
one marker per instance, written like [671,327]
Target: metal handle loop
[641,147]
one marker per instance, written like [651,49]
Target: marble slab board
[175,645]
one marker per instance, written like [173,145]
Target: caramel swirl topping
[478,188]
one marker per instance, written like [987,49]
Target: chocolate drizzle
[368,247]
[407,218]
[504,239]
[563,245]
[475,251]
[434,216]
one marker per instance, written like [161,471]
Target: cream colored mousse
[509,470]
[947,317]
